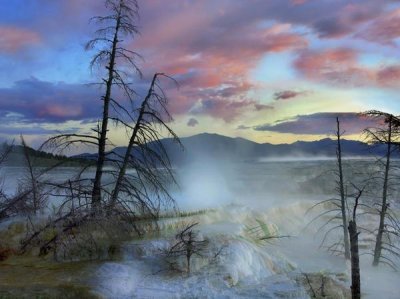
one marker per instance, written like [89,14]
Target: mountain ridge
[211,145]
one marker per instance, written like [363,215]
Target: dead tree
[389,137]
[338,206]
[67,219]
[119,63]
[31,182]
[152,112]
[355,257]
[139,193]
[187,244]
[382,214]
[120,22]
[355,261]
[342,192]
[136,196]
[33,186]
[4,198]
[30,195]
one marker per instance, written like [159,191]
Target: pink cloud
[220,57]
[60,111]
[228,110]
[13,39]
[333,65]
[384,29]
[389,76]
[341,67]
[215,68]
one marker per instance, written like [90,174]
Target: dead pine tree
[354,249]
[387,136]
[121,22]
[342,191]
[139,155]
[143,191]
[119,64]
[139,193]
[337,210]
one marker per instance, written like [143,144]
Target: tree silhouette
[135,195]
[121,22]
[388,135]
[342,191]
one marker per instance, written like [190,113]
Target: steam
[204,184]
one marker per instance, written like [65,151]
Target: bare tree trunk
[342,194]
[122,170]
[355,261]
[32,178]
[382,214]
[355,257]
[188,245]
[96,192]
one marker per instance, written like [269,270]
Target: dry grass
[33,277]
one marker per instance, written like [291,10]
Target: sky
[272,71]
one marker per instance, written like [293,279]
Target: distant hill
[239,149]
[39,158]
